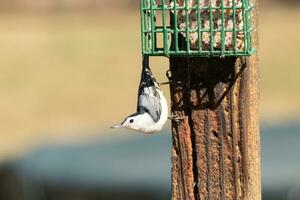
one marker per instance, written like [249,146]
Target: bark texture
[216,146]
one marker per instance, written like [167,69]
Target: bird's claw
[169,82]
[176,118]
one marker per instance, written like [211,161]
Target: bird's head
[135,122]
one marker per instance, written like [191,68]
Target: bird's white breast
[150,126]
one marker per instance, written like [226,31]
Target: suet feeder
[204,28]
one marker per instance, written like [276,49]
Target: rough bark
[216,147]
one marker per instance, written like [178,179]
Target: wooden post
[216,147]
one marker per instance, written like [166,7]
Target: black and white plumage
[152,108]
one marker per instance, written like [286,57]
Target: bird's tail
[147,77]
[146,62]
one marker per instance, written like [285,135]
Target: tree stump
[216,146]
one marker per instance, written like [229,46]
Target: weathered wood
[216,147]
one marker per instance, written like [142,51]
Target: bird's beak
[117,126]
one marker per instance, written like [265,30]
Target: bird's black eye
[131,121]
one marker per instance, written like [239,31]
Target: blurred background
[65,66]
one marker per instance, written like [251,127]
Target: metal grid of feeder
[196,27]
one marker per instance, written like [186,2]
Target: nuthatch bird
[152,107]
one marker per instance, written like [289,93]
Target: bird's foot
[176,118]
[169,83]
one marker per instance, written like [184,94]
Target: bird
[152,107]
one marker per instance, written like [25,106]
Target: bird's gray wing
[149,101]
[148,97]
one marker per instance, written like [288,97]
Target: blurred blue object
[138,164]
[139,161]
[280,161]
[141,164]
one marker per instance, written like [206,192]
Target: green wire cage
[196,27]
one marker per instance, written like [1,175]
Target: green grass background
[64,72]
